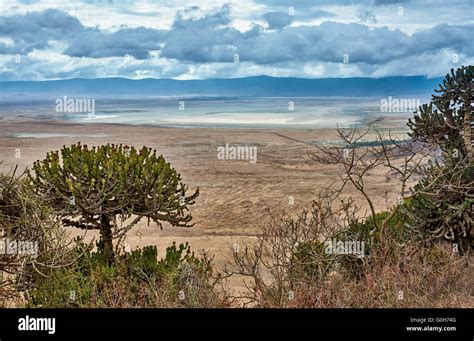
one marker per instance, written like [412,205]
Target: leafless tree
[357,157]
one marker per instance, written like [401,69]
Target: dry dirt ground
[236,196]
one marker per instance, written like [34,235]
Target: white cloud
[167,38]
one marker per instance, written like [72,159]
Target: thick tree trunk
[106,238]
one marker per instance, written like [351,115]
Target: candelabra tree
[446,121]
[111,188]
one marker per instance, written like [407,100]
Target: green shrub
[393,226]
[136,279]
[393,223]
[442,205]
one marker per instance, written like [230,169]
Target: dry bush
[396,275]
[288,251]
[25,220]
[288,268]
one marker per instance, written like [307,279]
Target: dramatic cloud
[138,42]
[273,37]
[34,30]
[327,42]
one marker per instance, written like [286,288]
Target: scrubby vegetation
[31,241]
[289,267]
[416,253]
[136,279]
[443,201]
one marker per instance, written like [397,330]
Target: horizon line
[207,79]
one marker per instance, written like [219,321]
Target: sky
[202,39]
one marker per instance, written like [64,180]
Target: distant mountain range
[249,86]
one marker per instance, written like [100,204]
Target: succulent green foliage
[136,279]
[175,256]
[443,122]
[100,184]
[443,204]
[394,223]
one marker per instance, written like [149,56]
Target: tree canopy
[446,121]
[111,188]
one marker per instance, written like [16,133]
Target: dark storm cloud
[136,42]
[33,30]
[327,42]
[458,38]
[203,39]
